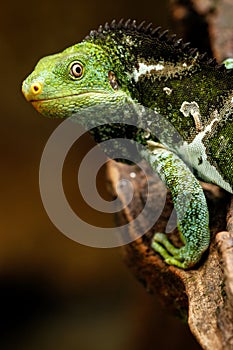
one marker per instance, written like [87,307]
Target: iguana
[184,91]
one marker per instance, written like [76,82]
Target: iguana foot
[179,257]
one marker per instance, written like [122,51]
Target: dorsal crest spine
[159,34]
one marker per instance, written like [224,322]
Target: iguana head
[103,69]
[118,63]
[81,76]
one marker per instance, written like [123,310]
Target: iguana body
[138,66]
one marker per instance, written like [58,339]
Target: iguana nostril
[36,88]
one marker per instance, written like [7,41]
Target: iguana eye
[76,70]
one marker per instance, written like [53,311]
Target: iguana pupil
[76,70]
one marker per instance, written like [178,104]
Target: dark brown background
[55,293]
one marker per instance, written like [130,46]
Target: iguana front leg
[190,204]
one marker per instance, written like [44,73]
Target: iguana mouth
[66,96]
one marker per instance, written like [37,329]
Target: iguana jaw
[65,106]
[68,105]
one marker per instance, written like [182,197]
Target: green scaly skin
[123,63]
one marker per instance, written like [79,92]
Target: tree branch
[202,295]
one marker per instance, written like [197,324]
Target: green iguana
[124,63]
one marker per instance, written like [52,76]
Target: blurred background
[56,293]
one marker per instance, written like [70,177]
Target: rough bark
[204,295]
